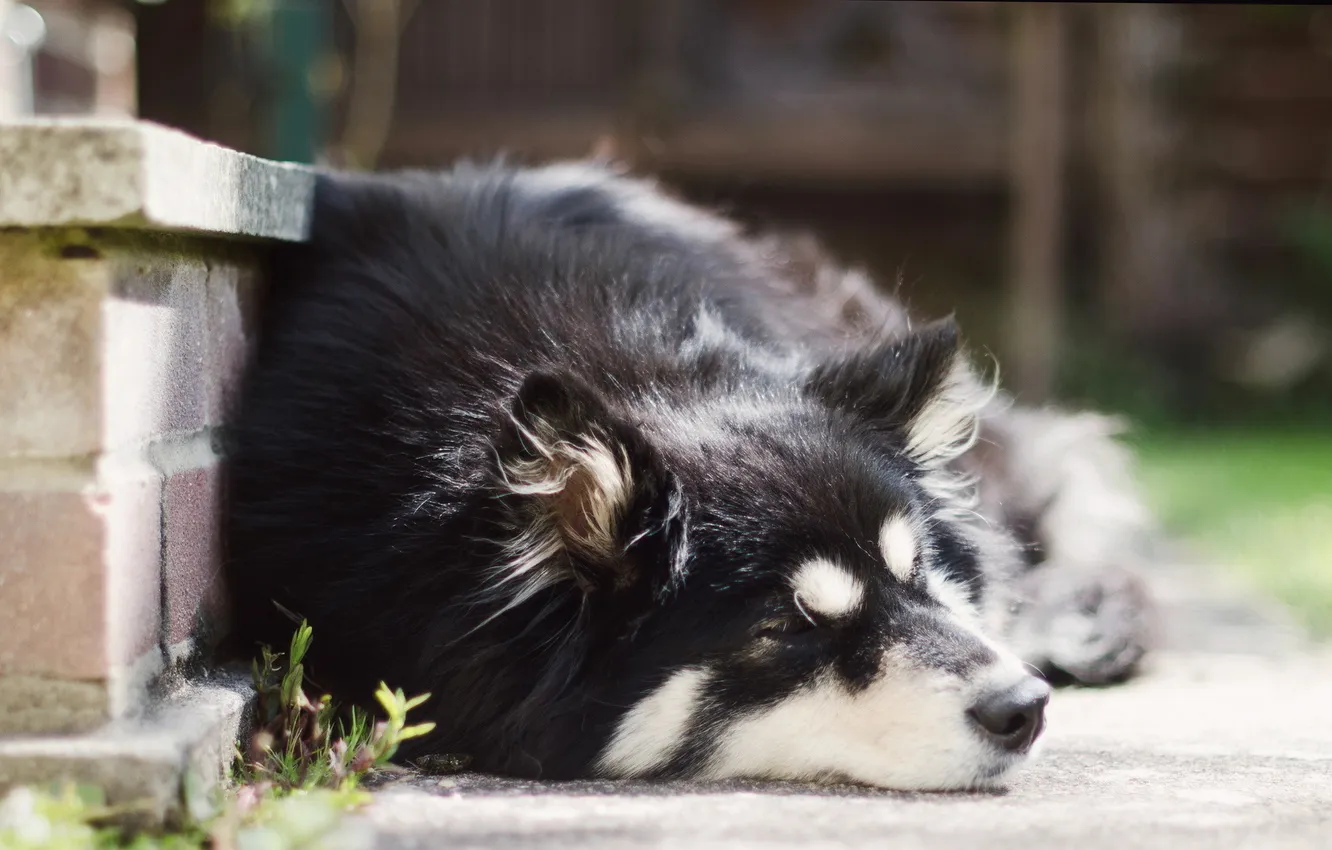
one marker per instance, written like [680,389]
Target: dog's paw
[1083,625]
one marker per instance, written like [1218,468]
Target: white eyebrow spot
[825,588]
[897,542]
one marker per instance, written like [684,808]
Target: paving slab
[1224,742]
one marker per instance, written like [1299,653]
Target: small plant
[300,744]
[298,774]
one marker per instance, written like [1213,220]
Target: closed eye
[780,628]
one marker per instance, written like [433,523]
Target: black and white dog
[636,495]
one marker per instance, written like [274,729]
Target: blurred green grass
[1258,502]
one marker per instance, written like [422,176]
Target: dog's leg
[1063,485]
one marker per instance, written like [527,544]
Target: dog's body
[634,495]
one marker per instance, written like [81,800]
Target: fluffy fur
[634,494]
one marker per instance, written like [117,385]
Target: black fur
[434,322]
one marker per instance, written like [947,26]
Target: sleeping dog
[634,493]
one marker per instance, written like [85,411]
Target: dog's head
[779,583]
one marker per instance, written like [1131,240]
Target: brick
[53,594]
[191,505]
[129,497]
[50,333]
[81,585]
[36,704]
[232,317]
[152,363]
[109,341]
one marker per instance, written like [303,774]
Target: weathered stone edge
[157,765]
[134,174]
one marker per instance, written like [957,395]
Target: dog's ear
[918,387]
[595,501]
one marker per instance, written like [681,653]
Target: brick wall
[128,285]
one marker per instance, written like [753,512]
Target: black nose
[1013,716]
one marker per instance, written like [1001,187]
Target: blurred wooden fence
[1159,144]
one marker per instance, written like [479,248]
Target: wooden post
[657,86]
[1036,139]
[372,97]
[1140,231]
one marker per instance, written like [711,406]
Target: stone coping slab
[134,174]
